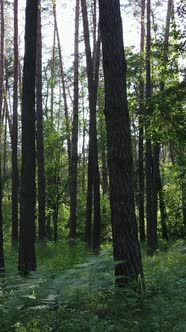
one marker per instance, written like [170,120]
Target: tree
[124,227]
[162,88]
[74,155]
[151,200]
[15,175]
[141,128]
[1,104]
[63,87]
[39,134]
[93,191]
[27,259]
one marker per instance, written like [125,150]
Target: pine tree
[124,227]
[27,259]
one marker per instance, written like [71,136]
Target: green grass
[73,291]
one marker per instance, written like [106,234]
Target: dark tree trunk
[83,145]
[1,104]
[141,129]
[15,175]
[151,224]
[162,87]
[155,189]
[74,152]
[92,233]
[27,259]
[39,135]
[105,185]
[124,226]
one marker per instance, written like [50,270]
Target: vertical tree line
[27,258]
[124,226]
[15,175]
[92,231]
[1,107]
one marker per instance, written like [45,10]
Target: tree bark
[141,129]
[92,233]
[74,152]
[2,267]
[156,154]
[15,175]
[27,259]
[124,226]
[151,222]
[39,134]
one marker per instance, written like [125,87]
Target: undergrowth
[73,291]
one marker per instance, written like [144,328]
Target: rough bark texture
[1,104]
[39,135]
[141,129]
[27,259]
[92,233]
[15,176]
[74,152]
[124,227]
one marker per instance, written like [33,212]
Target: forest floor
[73,291]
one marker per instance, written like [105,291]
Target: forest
[92,165]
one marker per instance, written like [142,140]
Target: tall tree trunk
[92,233]
[1,104]
[4,166]
[74,152]
[15,175]
[39,134]
[27,259]
[67,120]
[52,78]
[83,145]
[151,223]
[141,128]
[162,87]
[124,226]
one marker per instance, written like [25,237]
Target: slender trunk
[74,152]
[151,224]
[27,258]
[64,89]
[4,166]
[93,192]
[83,146]
[15,175]
[157,145]
[1,104]
[124,226]
[52,77]
[10,124]
[105,185]
[39,135]
[141,129]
